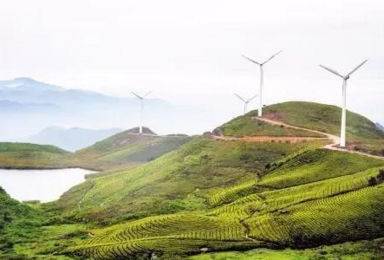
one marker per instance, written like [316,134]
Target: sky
[189,52]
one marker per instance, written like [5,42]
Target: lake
[43,185]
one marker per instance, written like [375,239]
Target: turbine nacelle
[345,77]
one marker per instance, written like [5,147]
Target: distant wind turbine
[141,108]
[344,100]
[260,111]
[245,101]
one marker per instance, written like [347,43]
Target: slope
[362,134]
[128,149]
[32,156]
[178,181]
[213,195]
[344,205]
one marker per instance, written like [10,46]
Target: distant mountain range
[378,125]
[71,139]
[28,106]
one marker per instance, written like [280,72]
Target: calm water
[43,185]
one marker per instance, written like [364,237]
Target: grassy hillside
[362,250]
[362,134]
[35,232]
[175,182]
[128,149]
[210,195]
[252,214]
[247,126]
[25,156]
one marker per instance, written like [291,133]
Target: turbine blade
[332,71]
[240,97]
[273,56]
[149,92]
[361,64]
[249,100]
[251,60]
[136,95]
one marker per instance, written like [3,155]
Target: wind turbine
[245,101]
[141,108]
[260,111]
[344,100]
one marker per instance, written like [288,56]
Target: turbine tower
[245,102]
[344,100]
[260,111]
[141,98]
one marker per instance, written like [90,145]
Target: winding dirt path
[333,139]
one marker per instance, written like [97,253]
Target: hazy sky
[190,51]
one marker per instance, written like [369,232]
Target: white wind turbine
[344,101]
[245,101]
[260,111]
[141,108]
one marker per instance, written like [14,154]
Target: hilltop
[362,134]
[128,149]
[32,156]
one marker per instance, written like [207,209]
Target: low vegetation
[247,125]
[252,200]
[178,181]
[298,214]
[127,150]
[31,156]
[362,134]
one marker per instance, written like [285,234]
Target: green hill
[234,195]
[128,149]
[178,181]
[29,156]
[333,205]
[362,134]
[210,195]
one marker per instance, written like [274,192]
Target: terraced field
[303,198]
[300,213]
[178,181]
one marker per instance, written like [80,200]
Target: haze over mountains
[28,106]
[378,125]
[71,139]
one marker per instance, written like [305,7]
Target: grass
[32,156]
[362,134]
[211,195]
[35,232]
[178,181]
[127,150]
[248,126]
[252,214]
[362,250]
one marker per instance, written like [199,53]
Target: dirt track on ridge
[333,139]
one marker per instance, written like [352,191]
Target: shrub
[372,181]
[380,177]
